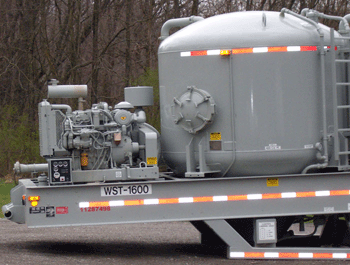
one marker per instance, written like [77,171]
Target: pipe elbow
[283,11]
[344,24]
[304,12]
[62,106]
[177,22]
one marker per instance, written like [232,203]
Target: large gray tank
[240,94]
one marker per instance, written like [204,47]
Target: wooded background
[106,44]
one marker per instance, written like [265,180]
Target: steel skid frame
[211,205]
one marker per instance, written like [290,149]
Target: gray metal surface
[184,200]
[151,243]
[243,29]
[239,248]
[270,103]
[67,91]
[139,96]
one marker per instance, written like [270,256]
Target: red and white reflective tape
[220,198]
[252,50]
[289,255]
[201,53]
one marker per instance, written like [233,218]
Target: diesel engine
[103,143]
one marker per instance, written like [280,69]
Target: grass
[5,198]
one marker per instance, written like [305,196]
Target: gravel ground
[151,243]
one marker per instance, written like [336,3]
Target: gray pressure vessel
[244,89]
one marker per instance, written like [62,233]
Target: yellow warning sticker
[151,160]
[215,136]
[123,118]
[272,182]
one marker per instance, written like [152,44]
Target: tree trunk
[94,72]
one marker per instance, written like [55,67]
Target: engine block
[103,143]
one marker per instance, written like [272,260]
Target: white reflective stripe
[271,255]
[237,254]
[260,50]
[185,54]
[186,200]
[254,196]
[284,255]
[116,203]
[288,194]
[306,255]
[150,201]
[340,255]
[220,198]
[323,193]
[84,204]
[293,48]
[213,52]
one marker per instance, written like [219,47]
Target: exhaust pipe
[6,209]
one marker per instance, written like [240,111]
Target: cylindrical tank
[242,92]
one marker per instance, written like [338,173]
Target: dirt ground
[152,243]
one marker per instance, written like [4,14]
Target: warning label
[272,182]
[151,160]
[215,136]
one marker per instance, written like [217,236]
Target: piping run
[177,22]
[343,21]
[319,30]
[323,84]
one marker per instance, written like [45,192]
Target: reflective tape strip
[289,255]
[186,200]
[116,203]
[254,196]
[84,204]
[150,201]
[250,50]
[288,195]
[323,193]
[213,52]
[219,198]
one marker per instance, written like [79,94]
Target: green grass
[5,198]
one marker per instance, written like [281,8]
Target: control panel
[60,170]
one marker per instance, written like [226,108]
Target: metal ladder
[341,110]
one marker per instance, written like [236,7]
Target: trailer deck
[220,208]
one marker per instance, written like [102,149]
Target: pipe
[6,209]
[108,115]
[67,91]
[315,166]
[323,86]
[177,22]
[139,116]
[325,136]
[304,12]
[62,106]
[30,168]
[343,20]
[102,105]
[81,103]
[342,24]
[65,140]
[319,30]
